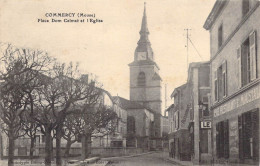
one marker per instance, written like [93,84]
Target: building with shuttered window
[235,71]
[190,121]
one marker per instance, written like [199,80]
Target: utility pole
[165,99]
[187,45]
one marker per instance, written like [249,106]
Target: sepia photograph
[129,83]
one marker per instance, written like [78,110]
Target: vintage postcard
[118,83]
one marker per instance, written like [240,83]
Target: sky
[106,48]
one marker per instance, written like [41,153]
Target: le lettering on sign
[205,125]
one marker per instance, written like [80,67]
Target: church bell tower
[145,81]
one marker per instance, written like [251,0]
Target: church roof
[130,105]
[143,62]
[156,77]
[127,104]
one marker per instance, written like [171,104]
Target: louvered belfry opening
[141,79]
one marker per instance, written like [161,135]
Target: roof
[196,65]
[130,105]
[177,89]
[156,76]
[169,108]
[143,62]
[127,104]
[217,8]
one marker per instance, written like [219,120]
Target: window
[222,139]
[141,79]
[248,135]
[220,35]
[37,140]
[220,81]
[246,55]
[205,110]
[245,7]
[130,125]
[176,120]
[43,138]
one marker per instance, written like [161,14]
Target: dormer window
[141,79]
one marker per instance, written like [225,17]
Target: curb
[135,155]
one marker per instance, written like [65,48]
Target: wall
[229,53]
[151,92]
[138,114]
[112,152]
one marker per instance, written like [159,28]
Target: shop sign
[205,124]
[238,101]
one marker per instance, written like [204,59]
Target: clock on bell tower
[141,56]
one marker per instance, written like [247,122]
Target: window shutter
[216,85]
[239,67]
[224,79]
[220,83]
[178,121]
[226,139]
[255,133]
[252,46]
[217,139]
[221,139]
[240,139]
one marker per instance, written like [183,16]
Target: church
[145,104]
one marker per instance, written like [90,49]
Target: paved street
[153,159]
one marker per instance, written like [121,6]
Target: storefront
[236,127]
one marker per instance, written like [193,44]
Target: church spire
[144,27]
[144,44]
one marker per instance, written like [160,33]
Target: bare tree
[71,129]
[86,122]
[62,87]
[18,69]
[31,129]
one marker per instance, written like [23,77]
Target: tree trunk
[86,139]
[58,145]
[68,145]
[88,145]
[11,151]
[32,146]
[48,147]
[84,147]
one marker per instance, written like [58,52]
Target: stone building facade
[198,88]
[188,138]
[179,135]
[140,123]
[235,73]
